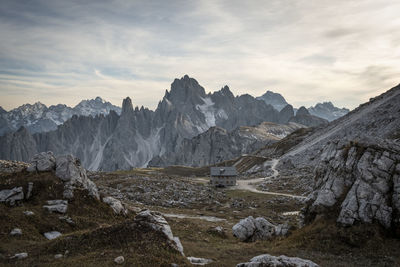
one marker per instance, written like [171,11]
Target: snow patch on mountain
[208,110]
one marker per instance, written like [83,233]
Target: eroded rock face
[358,181]
[115,204]
[11,196]
[158,223]
[70,171]
[250,229]
[44,161]
[281,261]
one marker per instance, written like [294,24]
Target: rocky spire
[127,107]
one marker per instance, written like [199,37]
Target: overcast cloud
[309,51]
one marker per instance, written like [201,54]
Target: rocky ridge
[40,118]
[132,139]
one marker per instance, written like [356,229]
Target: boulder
[52,235]
[11,196]
[250,229]
[44,161]
[116,205]
[28,213]
[119,260]
[20,256]
[281,261]
[58,206]
[16,232]
[157,222]
[199,261]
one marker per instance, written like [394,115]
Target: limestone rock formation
[133,138]
[156,221]
[115,204]
[11,196]
[266,260]
[44,161]
[250,229]
[359,181]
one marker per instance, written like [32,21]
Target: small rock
[58,256]
[20,256]
[67,220]
[52,235]
[119,260]
[115,204]
[11,196]
[29,193]
[199,261]
[29,213]
[59,206]
[16,232]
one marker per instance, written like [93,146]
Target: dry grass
[96,239]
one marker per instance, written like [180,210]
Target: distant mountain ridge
[325,110]
[38,117]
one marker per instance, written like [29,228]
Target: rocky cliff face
[358,182]
[40,118]
[217,144]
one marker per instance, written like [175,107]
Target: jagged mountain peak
[274,99]
[185,89]
[302,111]
[327,111]
[127,107]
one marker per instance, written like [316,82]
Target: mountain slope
[217,144]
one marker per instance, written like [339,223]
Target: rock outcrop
[116,205]
[12,196]
[359,182]
[70,171]
[267,260]
[157,222]
[250,229]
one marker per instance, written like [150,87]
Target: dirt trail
[250,185]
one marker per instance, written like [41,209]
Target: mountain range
[40,118]
[109,140]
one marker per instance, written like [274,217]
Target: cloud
[64,51]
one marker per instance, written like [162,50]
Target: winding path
[250,185]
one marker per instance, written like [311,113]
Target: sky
[344,51]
